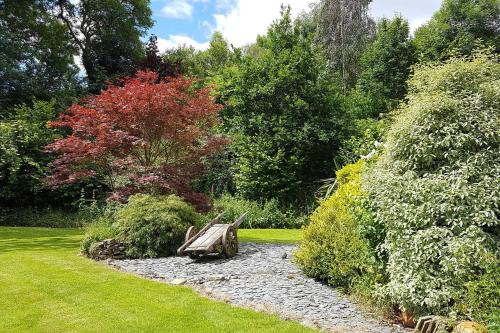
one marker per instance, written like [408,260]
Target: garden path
[263,277]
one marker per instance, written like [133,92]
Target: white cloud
[174,41]
[245,19]
[416,12]
[180,9]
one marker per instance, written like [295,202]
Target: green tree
[386,65]
[345,28]
[459,25]
[23,160]
[36,54]
[202,64]
[284,114]
[107,34]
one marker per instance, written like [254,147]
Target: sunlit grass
[45,286]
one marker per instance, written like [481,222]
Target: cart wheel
[190,233]
[230,242]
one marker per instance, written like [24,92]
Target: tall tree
[459,25]
[107,34]
[36,54]
[386,64]
[345,28]
[283,112]
[156,63]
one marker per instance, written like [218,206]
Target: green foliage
[364,141]
[459,26]
[284,113]
[23,161]
[436,189]
[154,226]
[49,218]
[482,297]
[107,33]
[97,231]
[386,65]
[259,215]
[345,28]
[36,54]
[335,245]
[201,64]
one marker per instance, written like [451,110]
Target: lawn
[269,235]
[46,287]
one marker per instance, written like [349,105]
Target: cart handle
[237,223]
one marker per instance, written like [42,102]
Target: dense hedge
[436,189]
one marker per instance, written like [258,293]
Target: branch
[69,25]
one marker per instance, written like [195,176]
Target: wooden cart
[215,237]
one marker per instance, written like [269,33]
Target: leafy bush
[154,226]
[436,188]
[109,142]
[98,231]
[260,216]
[23,161]
[334,248]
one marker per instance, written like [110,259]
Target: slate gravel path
[263,277]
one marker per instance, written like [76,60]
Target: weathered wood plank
[210,236]
[181,250]
[214,237]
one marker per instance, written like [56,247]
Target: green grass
[46,287]
[269,235]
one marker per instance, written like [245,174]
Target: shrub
[333,247]
[23,161]
[154,226]
[96,232]
[436,189]
[259,216]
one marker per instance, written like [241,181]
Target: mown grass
[269,235]
[46,287]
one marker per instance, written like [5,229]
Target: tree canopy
[36,54]
[107,34]
[283,112]
[459,26]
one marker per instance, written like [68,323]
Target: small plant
[96,232]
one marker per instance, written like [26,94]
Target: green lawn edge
[45,286]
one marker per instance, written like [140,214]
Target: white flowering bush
[436,188]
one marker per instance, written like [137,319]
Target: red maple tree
[142,136]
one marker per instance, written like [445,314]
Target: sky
[192,22]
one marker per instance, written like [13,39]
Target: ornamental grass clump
[436,189]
